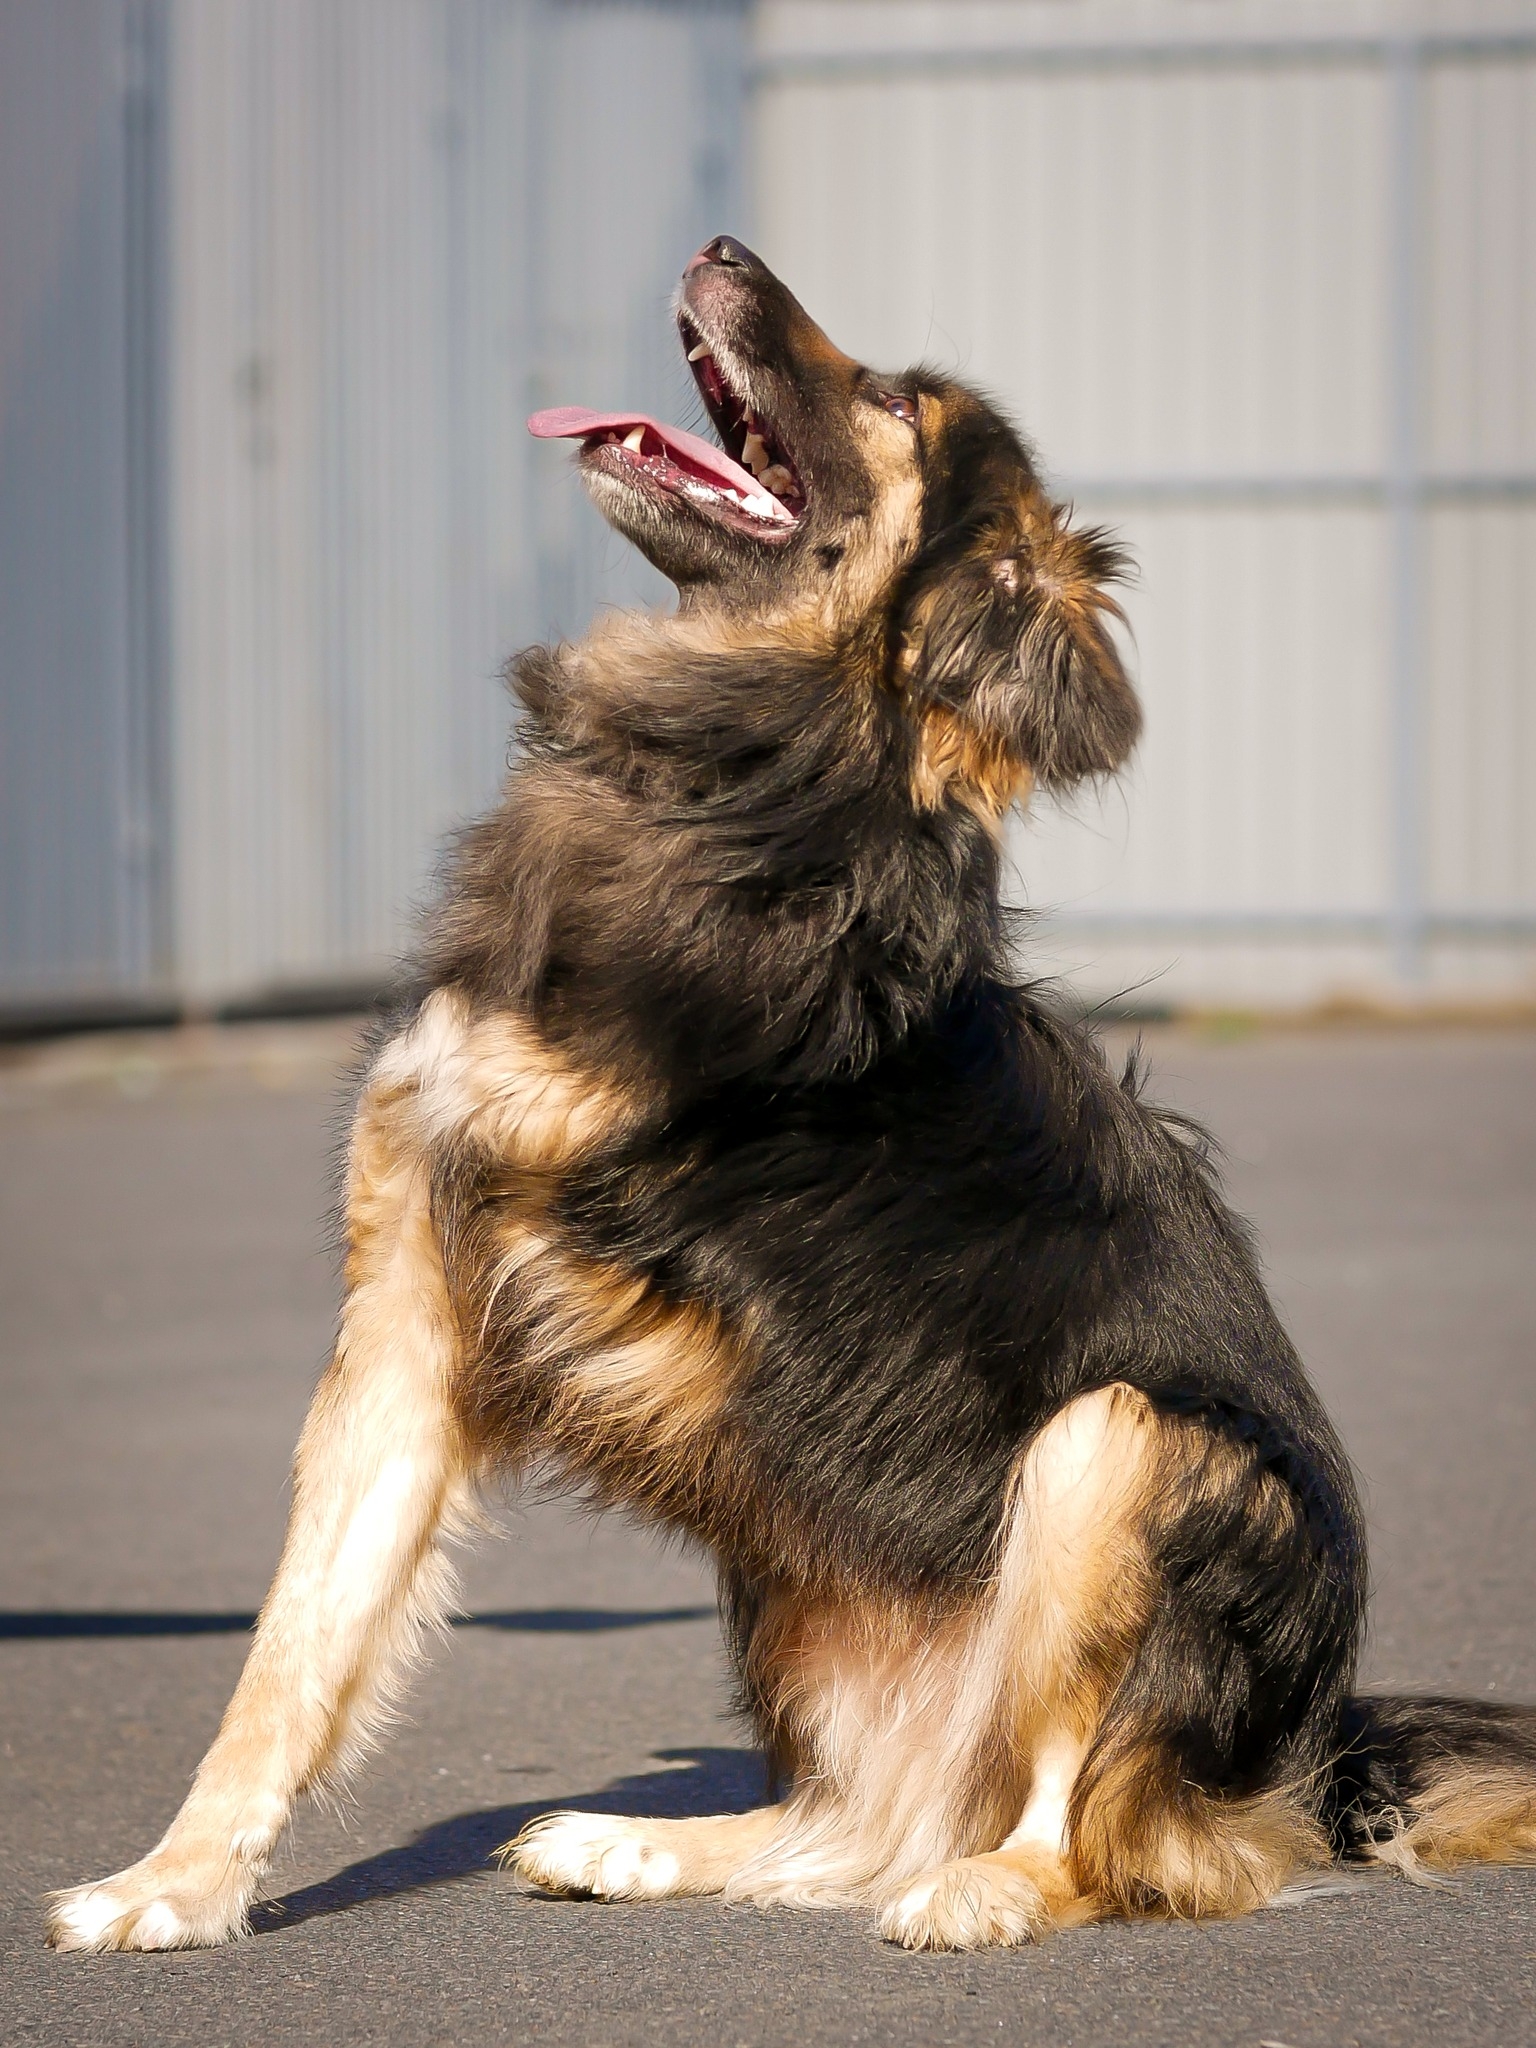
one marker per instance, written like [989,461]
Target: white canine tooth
[699,354]
[776,478]
[635,439]
[754,454]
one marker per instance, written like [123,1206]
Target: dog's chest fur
[564,1356]
[815,1328]
[697,1382]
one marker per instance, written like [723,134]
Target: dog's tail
[1426,1784]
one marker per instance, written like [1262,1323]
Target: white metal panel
[79,561]
[1122,27]
[1482,706]
[635,151]
[310,500]
[1260,283]
[1261,782]
[1480,265]
[400,224]
[1176,238]
[1176,270]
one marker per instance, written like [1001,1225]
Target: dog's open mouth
[750,481]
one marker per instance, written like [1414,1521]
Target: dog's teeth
[776,478]
[699,354]
[754,454]
[635,439]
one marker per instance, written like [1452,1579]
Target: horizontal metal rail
[1472,487]
[994,60]
[1273,925]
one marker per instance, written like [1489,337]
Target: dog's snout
[724,250]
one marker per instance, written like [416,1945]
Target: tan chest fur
[562,1356]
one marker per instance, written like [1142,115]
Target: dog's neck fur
[690,796]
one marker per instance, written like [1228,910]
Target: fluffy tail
[1427,1784]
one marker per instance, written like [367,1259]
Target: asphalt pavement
[167,1291]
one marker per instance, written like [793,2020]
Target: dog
[719,1161]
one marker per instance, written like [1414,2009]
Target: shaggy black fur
[723,881]
[924,1195]
[1395,1750]
[937,1211]
[934,1213]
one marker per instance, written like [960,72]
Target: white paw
[148,1906]
[969,1904]
[594,1855]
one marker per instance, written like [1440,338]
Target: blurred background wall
[279,280]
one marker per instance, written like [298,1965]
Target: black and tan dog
[721,1164]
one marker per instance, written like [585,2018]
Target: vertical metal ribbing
[546,585]
[719,167]
[145,826]
[1405,655]
[464,391]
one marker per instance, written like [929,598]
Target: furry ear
[1010,639]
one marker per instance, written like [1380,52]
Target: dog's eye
[903,408]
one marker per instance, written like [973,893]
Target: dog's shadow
[699,1781]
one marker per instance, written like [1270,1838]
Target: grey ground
[166,1296]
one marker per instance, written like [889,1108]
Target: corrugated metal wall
[389,228]
[279,280]
[1268,304]
[81,567]
[410,221]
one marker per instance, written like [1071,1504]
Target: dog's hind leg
[602,1856]
[1201,1793]
[381,1474]
[1017,1893]
[1171,1615]
[1072,1591]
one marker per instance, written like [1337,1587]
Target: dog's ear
[1008,658]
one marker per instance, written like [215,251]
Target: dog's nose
[723,249]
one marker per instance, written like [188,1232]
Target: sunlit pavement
[166,1294]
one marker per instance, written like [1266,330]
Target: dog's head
[899,514]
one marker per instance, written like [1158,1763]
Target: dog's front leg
[381,1472]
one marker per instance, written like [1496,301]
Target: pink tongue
[576,423]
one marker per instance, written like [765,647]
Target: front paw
[973,1903]
[158,1903]
[593,1856]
